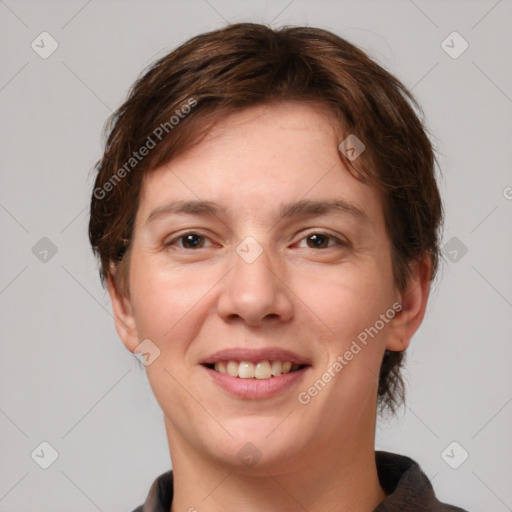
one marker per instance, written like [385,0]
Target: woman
[267,219]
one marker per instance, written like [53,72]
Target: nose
[254,292]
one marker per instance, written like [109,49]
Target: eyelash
[326,234]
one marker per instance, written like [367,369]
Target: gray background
[65,377]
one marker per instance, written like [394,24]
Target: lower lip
[253,389]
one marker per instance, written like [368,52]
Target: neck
[338,477]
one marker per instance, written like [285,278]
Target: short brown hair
[247,64]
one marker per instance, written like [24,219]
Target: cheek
[348,299]
[170,308]
[167,301]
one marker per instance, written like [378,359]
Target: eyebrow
[302,208]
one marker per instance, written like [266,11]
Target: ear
[414,303]
[123,315]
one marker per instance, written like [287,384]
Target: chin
[258,446]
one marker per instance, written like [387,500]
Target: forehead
[256,159]
[280,127]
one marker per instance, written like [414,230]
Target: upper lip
[255,355]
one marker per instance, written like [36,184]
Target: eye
[314,240]
[190,240]
[320,240]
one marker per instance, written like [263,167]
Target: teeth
[232,367]
[246,370]
[276,368]
[261,370]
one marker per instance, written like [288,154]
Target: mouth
[260,370]
[259,380]
[256,374]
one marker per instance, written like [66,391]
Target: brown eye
[319,240]
[187,241]
[192,240]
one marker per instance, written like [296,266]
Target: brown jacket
[407,487]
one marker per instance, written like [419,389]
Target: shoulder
[160,494]
[406,485]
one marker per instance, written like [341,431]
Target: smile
[246,384]
[261,370]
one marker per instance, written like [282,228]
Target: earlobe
[123,315]
[414,303]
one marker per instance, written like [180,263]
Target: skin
[191,301]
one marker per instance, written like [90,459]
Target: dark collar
[407,487]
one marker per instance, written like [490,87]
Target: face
[274,253]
